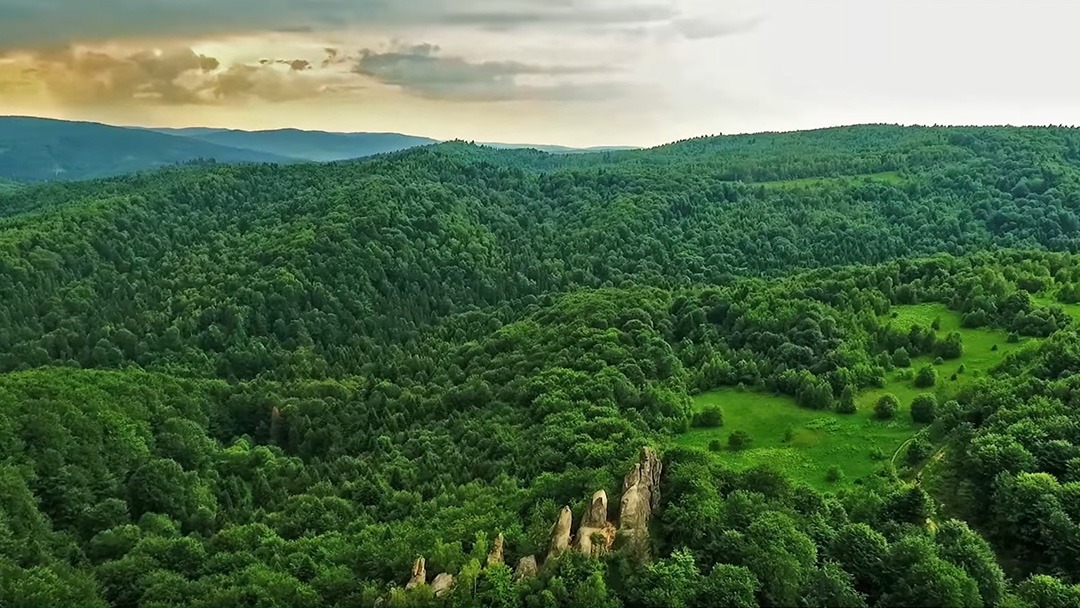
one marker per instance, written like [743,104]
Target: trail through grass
[806,443]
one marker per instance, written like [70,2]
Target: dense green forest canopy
[271,386]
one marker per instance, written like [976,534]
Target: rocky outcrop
[641,494]
[496,554]
[419,574]
[442,584]
[596,534]
[560,533]
[526,568]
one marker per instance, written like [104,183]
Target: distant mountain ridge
[319,146]
[36,150]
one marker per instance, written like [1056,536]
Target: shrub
[901,358]
[789,434]
[846,404]
[1013,338]
[939,361]
[886,407]
[834,474]
[952,347]
[927,377]
[739,440]
[918,450]
[716,445]
[924,408]
[709,418]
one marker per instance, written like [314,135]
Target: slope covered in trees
[280,385]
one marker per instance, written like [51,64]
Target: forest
[263,385]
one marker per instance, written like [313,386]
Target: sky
[571,72]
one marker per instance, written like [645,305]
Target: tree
[923,408]
[1044,591]
[926,377]
[862,551]
[739,440]
[667,583]
[831,587]
[886,407]
[952,347]
[958,544]
[918,450]
[901,358]
[846,404]
[710,417]
[726,585]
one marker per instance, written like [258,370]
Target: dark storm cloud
[422,70]
[34,23]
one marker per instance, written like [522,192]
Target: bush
[1013,338]
[716,445]
[927,377]
[994,348]
[952,347]
[939,361]
[789,434]
[901,358]
[918,450]
[924,408]
[709,418]
[739,440]
[834,474]
[961,369]
[846,404]
[886,407]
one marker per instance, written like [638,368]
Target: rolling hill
[853,351]
[318,146]
[37,150]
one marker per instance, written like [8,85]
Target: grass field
[858,443]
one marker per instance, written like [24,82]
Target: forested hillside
[280,385]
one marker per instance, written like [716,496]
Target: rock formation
[496,554]
[596,534]
[560,533]
[419,574]
[526,568]
[641,494]
[442,584]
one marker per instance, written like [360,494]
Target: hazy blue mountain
[37,149]
[552,149]
[319,146]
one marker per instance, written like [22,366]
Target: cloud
[704,28]
[169,76]
[34,23]
[422,70]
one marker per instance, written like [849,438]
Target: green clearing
[858,443]
[888,177]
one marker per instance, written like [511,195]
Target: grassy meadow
[806,443]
